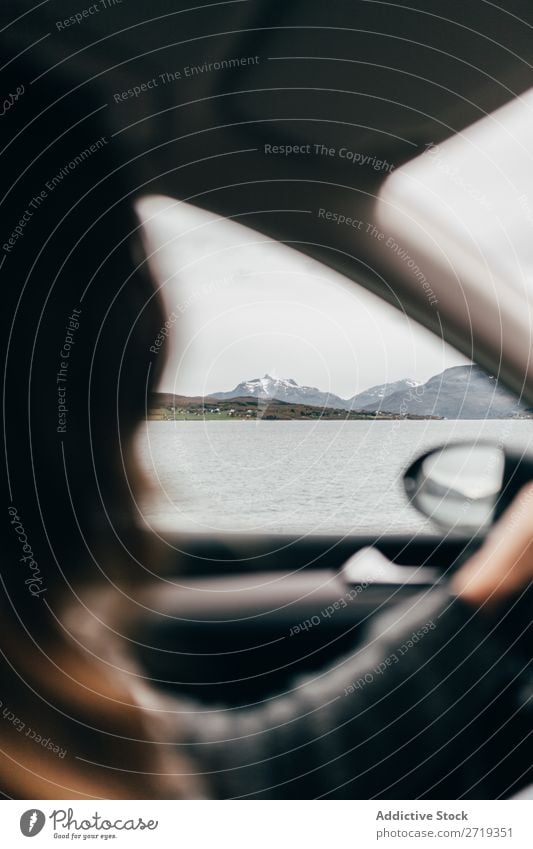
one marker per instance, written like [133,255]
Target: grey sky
[241,305]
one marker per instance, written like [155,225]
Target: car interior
[433,228]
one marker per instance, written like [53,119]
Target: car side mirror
[466,486]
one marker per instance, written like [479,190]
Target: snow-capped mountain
[373,397]
[282,389]
[461,392]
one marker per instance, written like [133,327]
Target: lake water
[285,476]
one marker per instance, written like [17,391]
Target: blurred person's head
[81,314]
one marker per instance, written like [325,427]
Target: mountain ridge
[460,392]
[270,388]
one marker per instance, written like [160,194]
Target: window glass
[292,399]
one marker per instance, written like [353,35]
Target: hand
[504,564]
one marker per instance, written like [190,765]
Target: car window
[292,399]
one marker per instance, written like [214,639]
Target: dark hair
[81,314]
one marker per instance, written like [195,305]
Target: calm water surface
[337,477]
